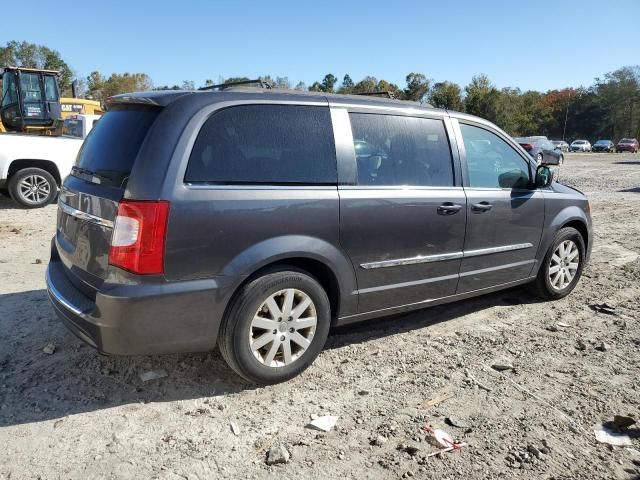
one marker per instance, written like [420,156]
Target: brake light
[527,146]
[137,243]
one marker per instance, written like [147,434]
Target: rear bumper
[170,317]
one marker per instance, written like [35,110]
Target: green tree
[101,88]
[347,85]
[482,98]
[417,87]
[328,82]
[236,79]
[447,95]
[316,87]
[367,84]
[24,54]
[619,98]
[392,88]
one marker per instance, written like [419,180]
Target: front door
[402,223]
[504,216]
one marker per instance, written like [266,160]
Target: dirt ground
[76,415]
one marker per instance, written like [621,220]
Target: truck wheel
[276,326]
[562,265]
[33,187]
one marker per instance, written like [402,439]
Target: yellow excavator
[31,102]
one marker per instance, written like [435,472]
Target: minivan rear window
[111,148]
[265,144]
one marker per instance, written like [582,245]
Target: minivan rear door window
[397,150]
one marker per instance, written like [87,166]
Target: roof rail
[222,86]
[383,93]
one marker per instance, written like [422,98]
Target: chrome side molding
[74,212]
[503,248]
[413,260]
[444,256]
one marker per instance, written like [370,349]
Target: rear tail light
[527,146]
[137,243]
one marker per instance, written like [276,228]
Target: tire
[561,160]
[252,305]
[544,283]
[539,158]
[46,188]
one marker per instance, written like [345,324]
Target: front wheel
[539,158]
[561,160]
[276,327]
[562,265]
[33,187]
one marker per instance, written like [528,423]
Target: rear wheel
[561,160]
[539,158]
[562,265]
[33,187]
[276,327]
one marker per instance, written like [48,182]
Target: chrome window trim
[74,212]
[397,187]
[198,186]
[444,256]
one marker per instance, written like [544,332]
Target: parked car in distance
[561,144]
[580,146]
[603,146]
[628,145]
[259,219]
[542,150]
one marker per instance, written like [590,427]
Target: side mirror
[544,176]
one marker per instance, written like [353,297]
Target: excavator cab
[30,101]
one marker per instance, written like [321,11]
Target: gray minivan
[259,219]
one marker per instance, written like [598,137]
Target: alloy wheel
[34,189]
[564,265]
[283,328]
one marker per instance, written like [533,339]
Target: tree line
[609,108]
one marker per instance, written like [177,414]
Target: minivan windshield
[111,148]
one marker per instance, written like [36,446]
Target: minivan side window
[265,144]
[396,150]
[492,162]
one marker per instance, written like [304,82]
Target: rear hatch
[90,196]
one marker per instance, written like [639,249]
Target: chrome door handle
[481,207]
[448,208]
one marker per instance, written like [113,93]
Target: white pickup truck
[32,167]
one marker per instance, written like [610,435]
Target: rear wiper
[88,173]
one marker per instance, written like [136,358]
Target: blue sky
[532,45]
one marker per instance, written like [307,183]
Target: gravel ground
[73,414]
